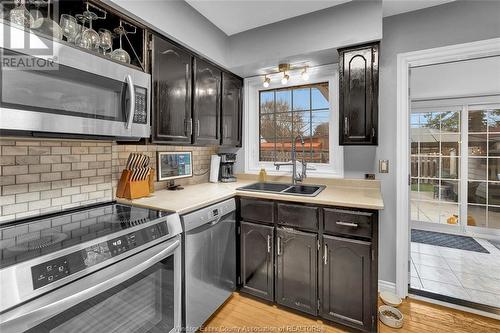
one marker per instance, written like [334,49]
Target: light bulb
[266,82]
[285,78]
[305,75]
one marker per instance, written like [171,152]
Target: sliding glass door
[455,164]
[483,185]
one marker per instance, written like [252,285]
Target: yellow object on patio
[454,220]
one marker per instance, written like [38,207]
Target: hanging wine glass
[36,13]
[47,26]
[106,40]
[90,37]
[69,27]
[120,54]
[81,29]
[20,15]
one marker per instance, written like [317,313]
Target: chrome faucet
[295,177]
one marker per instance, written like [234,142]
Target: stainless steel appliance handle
[325,255]
[215,221]
[279,246]
[40,314]
[268,243]
[346,125]
[347,224]
[131,91]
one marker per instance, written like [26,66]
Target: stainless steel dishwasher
[209,261]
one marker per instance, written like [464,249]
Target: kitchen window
[277,115]
[287,113]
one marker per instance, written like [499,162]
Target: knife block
[132,189]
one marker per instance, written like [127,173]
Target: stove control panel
[61,267]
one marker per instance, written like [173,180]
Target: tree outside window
[288,112]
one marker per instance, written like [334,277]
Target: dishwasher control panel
[209,214]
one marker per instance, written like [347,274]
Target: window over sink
[275,116]
[287,113]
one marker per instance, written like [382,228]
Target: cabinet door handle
[197,127]
[346,125]
[279,246]
[268,243]
[325,255]
[347,224]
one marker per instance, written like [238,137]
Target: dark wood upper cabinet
[346,284]
[232,107]
[358,91]
[207,103]
[171,95]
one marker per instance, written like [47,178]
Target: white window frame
[251,142]
[405,61]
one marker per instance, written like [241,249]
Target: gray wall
[453,23]
[182,23]
[299,37]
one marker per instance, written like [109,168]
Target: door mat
[446,240]
[495,244]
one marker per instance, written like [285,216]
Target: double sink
[288,189]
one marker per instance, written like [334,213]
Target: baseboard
[386,286]
[455,306]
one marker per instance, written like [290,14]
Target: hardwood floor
[242,313]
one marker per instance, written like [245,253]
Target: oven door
[138,294]
[84,94]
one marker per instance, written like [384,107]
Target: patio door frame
[452,53]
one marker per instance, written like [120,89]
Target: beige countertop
[341,192]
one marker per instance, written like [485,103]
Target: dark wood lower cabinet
[257,260]
[296,270]
[346,283]
[330,272]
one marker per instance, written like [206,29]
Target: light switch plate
[383,166]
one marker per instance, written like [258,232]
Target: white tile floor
[467,275]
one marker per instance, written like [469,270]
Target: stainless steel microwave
[85,94]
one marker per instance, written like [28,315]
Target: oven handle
[21,318]
[131,91]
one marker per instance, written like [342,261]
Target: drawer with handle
[348,222]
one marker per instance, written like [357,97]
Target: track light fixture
[285,78]
[285,69]
[305,74]
[266,82]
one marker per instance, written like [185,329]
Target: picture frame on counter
[174,165]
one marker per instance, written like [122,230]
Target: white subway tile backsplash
[40,176]
[14,189]
[14,209]
[25,197]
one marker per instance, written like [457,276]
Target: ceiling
[234,16]
[394,7]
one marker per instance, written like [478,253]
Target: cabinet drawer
[348,222]
[257,210]
[298,216]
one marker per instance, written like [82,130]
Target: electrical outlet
[383,166]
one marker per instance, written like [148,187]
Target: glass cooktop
[34,237]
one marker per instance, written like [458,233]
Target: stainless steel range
[103,268]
